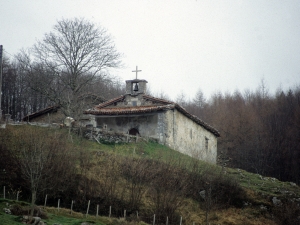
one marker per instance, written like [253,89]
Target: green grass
[9,219]
[68,220]
[264,188]
[62,217]
[6,219]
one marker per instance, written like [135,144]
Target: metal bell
[136,88]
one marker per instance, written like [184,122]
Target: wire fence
[93,209]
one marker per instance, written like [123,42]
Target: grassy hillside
[149,178]
[54,216]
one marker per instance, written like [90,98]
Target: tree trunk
[33,198]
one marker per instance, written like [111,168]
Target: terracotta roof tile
[159,100]
[128,110]
[110,102]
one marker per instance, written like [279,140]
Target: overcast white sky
[180,45]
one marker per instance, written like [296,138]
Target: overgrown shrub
[288,213]
[19,210]
[224,189]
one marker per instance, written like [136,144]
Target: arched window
[134,131]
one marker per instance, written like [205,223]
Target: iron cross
[136,72]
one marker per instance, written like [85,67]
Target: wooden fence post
[167,222]
[17,196]
[4,192]
[153,220]
[109,211]
[97,210]
[45,202]
[125,214]
[71,206]
[180,220]
[58,205]
[87,211]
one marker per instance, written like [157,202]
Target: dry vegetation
[149,179]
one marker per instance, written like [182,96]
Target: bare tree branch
[68,60]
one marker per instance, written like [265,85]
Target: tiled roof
[41,112]
[128,110]
[108,108]
[110,102]
[158,100]
[56,107]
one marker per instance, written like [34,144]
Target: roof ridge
[197,120]
[111,101]
[129,110]
[49,108]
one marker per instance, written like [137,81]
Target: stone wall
[52,117]
[161,127]
[170,128]
[145,124]
[186,136]
[107,137]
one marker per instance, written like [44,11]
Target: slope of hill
[151,183]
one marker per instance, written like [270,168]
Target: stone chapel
[137,113]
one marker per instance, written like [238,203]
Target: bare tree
[17,97]
[167,186]
[43,158]
[199,99]
[136,171]
[181,99]
[162,95]
[69,59]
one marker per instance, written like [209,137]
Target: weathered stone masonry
[145,124]
[136,113]
[188,137]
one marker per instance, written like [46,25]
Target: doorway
[134,132]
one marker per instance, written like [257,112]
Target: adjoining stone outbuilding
[54,114]
[137,113]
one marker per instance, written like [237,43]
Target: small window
[206,143]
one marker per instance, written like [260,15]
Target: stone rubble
[107,137]
[276,201]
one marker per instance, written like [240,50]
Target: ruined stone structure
[54,114]
[137,113]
